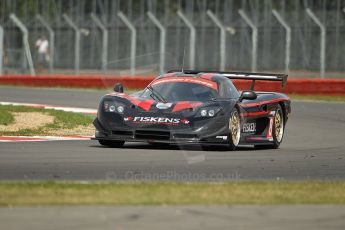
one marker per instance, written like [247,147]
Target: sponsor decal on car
[222,137]
[156,120]
[128,119]
[249,127]
[185,121]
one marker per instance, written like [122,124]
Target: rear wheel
[112,144]
[277,130]
[234,130]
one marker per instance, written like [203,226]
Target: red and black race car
[195,107]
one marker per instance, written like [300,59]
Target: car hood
[150,105]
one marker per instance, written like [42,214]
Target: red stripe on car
[208,76]
[270,129]
[200,81]
[255,138]
[253,114]
[186,105]
[145,105]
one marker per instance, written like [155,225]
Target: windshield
[180,91]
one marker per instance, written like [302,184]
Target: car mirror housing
[248,95]
[118,88]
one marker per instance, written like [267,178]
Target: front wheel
[234,130]
[111,144]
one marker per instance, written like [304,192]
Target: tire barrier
[303,86]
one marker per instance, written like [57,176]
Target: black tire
[277,132]
[234,130]
[111,144]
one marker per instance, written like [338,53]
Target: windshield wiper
[156,94]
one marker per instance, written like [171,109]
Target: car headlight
[120,109]
[113,107]
[210,112]
[203,113]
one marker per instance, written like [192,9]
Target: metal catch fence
[152,36]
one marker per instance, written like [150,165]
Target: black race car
[195,107]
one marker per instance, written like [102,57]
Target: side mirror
[118,88]
[248,95]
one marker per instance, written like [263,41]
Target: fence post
[322,42]
[51,40]
[162,41]
[1,50]
[133,40]
[254,38]
[104,41]
[25,32]
[222,44]
[287,39]
[192,38]
[76,43]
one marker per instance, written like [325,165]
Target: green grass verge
[153,193]
[62,120]
[6,118]
[318,98]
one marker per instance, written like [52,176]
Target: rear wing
[243,76]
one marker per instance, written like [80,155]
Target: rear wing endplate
[243,76]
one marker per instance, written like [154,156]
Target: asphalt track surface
[265,217]
[313,148]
